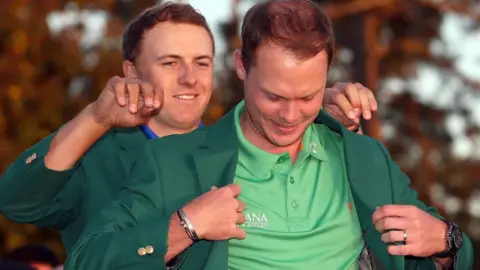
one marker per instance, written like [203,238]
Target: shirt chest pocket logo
[255,220]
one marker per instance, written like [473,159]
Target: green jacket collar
[129,138]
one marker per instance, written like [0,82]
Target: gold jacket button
[149,249]
[141,251]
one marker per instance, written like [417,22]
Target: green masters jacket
[178,168]
[68,200]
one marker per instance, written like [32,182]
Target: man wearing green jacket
[267,188]
[63,181]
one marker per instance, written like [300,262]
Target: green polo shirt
[298,216]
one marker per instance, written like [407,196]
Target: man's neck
[161,130]
[257,139]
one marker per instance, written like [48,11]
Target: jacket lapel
[216,158]
[129,140]
[358,174]
[215,161]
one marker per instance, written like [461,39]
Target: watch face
[457,238]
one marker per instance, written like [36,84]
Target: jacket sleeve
[405,194]
[32,193]
[119,236]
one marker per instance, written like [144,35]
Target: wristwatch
[454,240]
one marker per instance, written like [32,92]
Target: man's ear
[129,69]
[241,73]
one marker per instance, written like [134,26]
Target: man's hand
[425,234]
[126,102]
[215,214]
[347,102]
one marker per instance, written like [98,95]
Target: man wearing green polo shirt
[283,204]
[265,187]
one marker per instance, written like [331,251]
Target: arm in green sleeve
[115,238]
[406,195]
[134,223]
[31,193]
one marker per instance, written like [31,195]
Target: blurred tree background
[417,55]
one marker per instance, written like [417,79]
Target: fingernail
[157,104]
[367,115]
[149,102]
[133,108]
[351,115]
[121,101]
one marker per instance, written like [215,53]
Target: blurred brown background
[419,56]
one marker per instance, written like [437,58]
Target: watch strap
[452,247]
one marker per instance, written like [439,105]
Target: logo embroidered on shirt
[313,147]
[255,220]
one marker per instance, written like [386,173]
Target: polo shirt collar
[260,162]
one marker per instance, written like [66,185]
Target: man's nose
[290,113]
[188,76]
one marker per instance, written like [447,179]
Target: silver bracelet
[187,225]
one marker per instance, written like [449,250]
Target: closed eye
[272,97]
[204,64]
[168,64]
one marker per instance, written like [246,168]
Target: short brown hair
[166,12]
[297,25]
